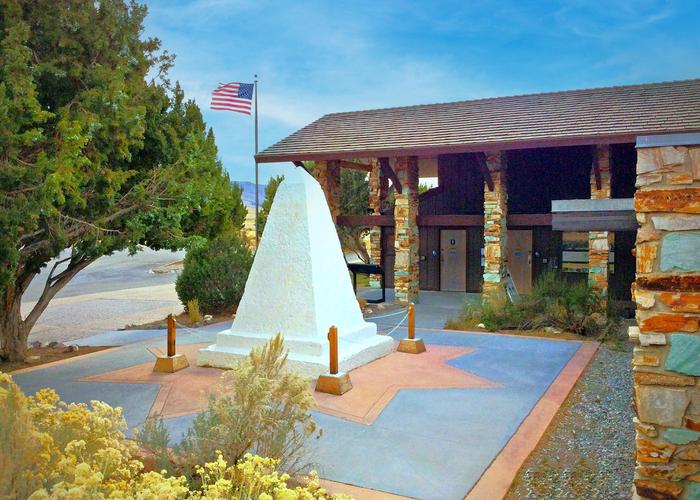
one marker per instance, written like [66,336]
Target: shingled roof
[603,115]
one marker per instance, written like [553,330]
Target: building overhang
[615,214]
[434,151]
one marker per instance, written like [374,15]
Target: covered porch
[521,186]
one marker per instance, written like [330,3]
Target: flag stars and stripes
[234,96]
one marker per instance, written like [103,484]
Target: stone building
[667,293]
[526,183]
[601,184]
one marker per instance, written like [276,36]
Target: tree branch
[54,284]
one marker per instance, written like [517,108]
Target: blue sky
[320,57]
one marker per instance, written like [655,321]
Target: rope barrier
[186,328]
[388,315]
[397,326]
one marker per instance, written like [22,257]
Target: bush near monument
[258,407]
[215,273]
[554,302]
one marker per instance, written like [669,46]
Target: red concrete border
[358,492]
[64,361]
[498,477]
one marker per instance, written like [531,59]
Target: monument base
[337,384]
[411,346]
[170,364]
[308,357]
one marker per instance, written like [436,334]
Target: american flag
[234,96]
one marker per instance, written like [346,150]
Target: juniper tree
[98,152]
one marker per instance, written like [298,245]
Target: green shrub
[215,274]
[258,408]
[555,301]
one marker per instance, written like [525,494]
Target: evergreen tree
[98,152]
[270,191]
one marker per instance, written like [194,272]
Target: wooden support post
[485,172]
[411,345]
[389,173]
[333,382]
[172,362]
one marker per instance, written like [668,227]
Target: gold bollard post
[333,349]
[333,382]
[171,335]
[411,345]
[172,362]
[411,321]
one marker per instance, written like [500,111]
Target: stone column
[406,243]
[495,231]
[327,174]
[377,192]
[599,241]
[667,294]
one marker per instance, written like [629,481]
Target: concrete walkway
[456,419]
[112,292]
[433,308]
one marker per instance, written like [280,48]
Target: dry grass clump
[554,302]
[193,311]
[258,407]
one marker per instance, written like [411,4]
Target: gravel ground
[588,451]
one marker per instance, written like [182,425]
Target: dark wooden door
[429,258]
[388,255]
[475,270]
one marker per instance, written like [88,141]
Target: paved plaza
[457,420]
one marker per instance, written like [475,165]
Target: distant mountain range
[249,192]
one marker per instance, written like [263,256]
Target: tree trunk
[13,330]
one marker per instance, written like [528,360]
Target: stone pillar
[327,173]
[377,192]
[406,243]
[495,231]
[599,241]
[667,294]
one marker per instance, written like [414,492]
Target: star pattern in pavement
[374,385]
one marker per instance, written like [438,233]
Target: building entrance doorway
[453,260]
[519,244]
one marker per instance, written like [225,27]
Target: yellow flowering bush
[50,449]
[72,450]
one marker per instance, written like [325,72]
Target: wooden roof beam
[485,172]
[355,166]
[300,164]
[389,172]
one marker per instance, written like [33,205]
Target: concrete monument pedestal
[299,286]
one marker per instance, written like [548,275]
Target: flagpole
[257,233]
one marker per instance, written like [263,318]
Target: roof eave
[453,149]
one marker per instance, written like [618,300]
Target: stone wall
[495,231]
[667,294]
[376,195]
[599,241]
[327,173]
[406,243]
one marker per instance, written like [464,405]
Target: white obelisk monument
[299,286]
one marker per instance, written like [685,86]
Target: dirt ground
[48,355]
